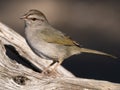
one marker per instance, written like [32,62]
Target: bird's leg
[47,68]
[58,64]
[52,72]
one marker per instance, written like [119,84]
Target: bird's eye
[34,19]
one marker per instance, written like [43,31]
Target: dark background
[94,24]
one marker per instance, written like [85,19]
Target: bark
[20,69]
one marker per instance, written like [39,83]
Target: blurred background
[94,24]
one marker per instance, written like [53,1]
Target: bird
[50,43]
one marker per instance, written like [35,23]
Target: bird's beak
[23,17]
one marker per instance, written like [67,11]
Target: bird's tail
[85,50]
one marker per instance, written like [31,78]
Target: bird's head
[34,17]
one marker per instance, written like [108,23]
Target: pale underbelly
[48,50]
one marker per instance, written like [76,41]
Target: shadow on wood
[14,55]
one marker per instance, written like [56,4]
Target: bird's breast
[43,48]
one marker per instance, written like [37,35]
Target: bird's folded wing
[57,38]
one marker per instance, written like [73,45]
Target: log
[20,69]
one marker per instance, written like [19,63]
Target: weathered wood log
[20,69]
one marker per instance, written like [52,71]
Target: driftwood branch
[20,69]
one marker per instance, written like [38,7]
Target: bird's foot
[49,73]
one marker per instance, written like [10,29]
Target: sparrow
[49,42]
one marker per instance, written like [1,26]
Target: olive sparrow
[48,42]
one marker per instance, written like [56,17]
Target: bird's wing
[57,37]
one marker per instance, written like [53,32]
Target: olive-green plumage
[49,42]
